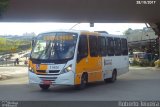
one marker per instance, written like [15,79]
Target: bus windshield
[54,46]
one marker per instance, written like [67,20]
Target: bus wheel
[114,76]
[84,81]
[44,87]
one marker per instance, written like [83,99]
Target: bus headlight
[67,69]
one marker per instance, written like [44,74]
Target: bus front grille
[54,71]
[49,78]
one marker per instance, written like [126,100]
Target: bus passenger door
[82,58]
[95,62]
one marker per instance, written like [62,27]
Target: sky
[21,28]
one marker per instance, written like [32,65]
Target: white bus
[76,58]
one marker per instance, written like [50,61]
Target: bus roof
[86,32]
[112,35]
[73,31]
[61,30]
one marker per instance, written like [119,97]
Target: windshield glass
[54,46]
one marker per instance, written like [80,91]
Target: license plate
[47,82]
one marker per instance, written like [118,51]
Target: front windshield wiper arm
[44,51]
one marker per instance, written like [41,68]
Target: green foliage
[157,63]
[2,41]
[127,32]
[10,46]
[144,63]
[152,63]
[135,63]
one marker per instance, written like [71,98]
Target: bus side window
[101,46]
[117,46]
[93,45]
[106,46]
[110,46]
[82,47]
[124,47]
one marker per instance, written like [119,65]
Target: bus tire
[84,81]
[114,77]
[44,87]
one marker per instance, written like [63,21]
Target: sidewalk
[12,72]
[143,68]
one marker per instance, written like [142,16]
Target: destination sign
[64,37]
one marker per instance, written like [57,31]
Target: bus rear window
[124,47]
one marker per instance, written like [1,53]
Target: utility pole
[74,26]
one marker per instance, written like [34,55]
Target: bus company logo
[107,62]
[37,66]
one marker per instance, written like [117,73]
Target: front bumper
[60,79]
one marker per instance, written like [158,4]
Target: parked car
[138,56]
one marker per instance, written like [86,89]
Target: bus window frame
[80,54]
[117,47]
[109,47]
[124,51]
[101,47]
[93,48]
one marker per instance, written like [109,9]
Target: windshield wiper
[44,51]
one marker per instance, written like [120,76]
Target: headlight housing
[67,69]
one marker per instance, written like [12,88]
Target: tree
[128,31]
[29,34]
[2,41]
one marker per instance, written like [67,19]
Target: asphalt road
[138,84]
